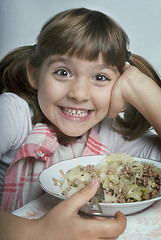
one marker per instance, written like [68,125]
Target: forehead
[73,60]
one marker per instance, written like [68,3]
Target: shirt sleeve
[15,123]
[146,146]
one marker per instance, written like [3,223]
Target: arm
[15,122]
[63,222]
[140,91]
[14,228]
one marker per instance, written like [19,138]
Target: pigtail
[133,124]
[13,76]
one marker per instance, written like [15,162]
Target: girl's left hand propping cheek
[126,89]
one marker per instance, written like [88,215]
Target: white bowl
[108,209]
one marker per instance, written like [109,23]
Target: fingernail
[92,182]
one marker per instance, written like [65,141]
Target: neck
[64,139]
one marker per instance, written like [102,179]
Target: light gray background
[21,21]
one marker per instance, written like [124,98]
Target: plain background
[21,21]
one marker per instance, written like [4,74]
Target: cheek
[103,104]
[47,91]
[102,99]
[45,97]
[42,102]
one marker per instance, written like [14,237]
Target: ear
[32,74]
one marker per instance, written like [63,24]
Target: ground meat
[127,170]
[120,183]
[153,193]
[88,169]
[142,180]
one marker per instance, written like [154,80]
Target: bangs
[84,34]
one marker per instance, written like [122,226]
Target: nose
[79,91]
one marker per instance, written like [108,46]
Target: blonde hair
[82,33]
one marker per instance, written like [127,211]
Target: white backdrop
[21,21]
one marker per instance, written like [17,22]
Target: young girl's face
[74,94]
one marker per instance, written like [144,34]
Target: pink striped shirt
[40,150]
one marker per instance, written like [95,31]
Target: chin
[72,134]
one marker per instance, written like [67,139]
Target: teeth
[75,113]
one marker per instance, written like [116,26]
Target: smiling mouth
[75,112]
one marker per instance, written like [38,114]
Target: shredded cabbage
[122,179]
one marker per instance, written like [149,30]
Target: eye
[101,77]
[63,73]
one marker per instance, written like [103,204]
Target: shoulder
[147,146]
[15,122]
[12,99]
[13,105]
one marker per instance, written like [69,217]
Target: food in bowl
[122,179]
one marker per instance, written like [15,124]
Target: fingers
[119,91]
[109,228]
[89,228]
[67,219]
[117,101]
[79,199]
[121,220]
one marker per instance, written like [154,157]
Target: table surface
[144,225]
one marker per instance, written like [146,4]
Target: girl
[76,80]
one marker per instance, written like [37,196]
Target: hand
[63,222]
[139,90]
[127,89]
